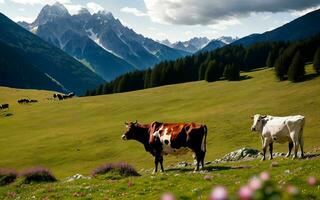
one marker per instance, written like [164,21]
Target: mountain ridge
[117,40]
[49,60]
[300,28]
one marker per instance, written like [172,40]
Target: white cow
[280,130]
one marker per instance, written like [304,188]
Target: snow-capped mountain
[99,40]
[200,44]
[213,45]
[227,39]
[218,43]
[193,45]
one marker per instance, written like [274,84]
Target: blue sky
[180,19]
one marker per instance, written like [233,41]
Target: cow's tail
[204,139]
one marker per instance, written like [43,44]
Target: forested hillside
[223,63]
[18,72]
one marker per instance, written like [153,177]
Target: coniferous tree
[87,93]
[232,72]
[280,68]
[147,78]
[100,90]
[271,58]
[202,71]
[93,93]
[316,61]
[296,70]
[212,72]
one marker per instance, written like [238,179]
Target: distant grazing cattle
[161,139]
[4,106]
[63,96]
[25,101]
[280,130]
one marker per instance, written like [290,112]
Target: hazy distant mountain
[200,44]
[213,45]
[193,45]
[227,39]
[302,27]
[29,62]
[100,40]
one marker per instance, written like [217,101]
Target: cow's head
[257,122]
[131,131]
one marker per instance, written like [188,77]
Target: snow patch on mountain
[94,37]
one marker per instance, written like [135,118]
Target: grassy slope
[76,135]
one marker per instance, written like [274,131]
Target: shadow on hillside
[309,77]
[257,69]
[207,168]
[245,77]
[242,78]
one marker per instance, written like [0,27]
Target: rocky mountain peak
[50,12]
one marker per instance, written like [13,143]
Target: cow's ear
[126,123]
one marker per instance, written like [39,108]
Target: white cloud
[303,12]
[41,2]
[133,11]
[23,19]
[74,8]
[2,1]
[224,24]
[94,7]
[204,12]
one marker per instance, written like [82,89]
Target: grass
[184,183]
[77,135]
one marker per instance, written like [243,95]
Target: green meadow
[77,135]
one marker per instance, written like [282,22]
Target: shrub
[37,174]
[116,170]
[7,176]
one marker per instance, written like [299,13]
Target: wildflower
[207,177]
[292,190]
[245,193]
[264,176]
[168,196]
[219,193]
[255,183]
[130,184]
[312,181]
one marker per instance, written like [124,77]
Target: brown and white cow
[161,139]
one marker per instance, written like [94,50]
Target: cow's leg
[156,162]
[296,147]
[198,159]
[264,149]
[295,139]
[202,159]
[290,149]
[271,149]
[161,163]
[301,146]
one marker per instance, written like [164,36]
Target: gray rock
[77,177]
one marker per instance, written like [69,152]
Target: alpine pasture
[77,135]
